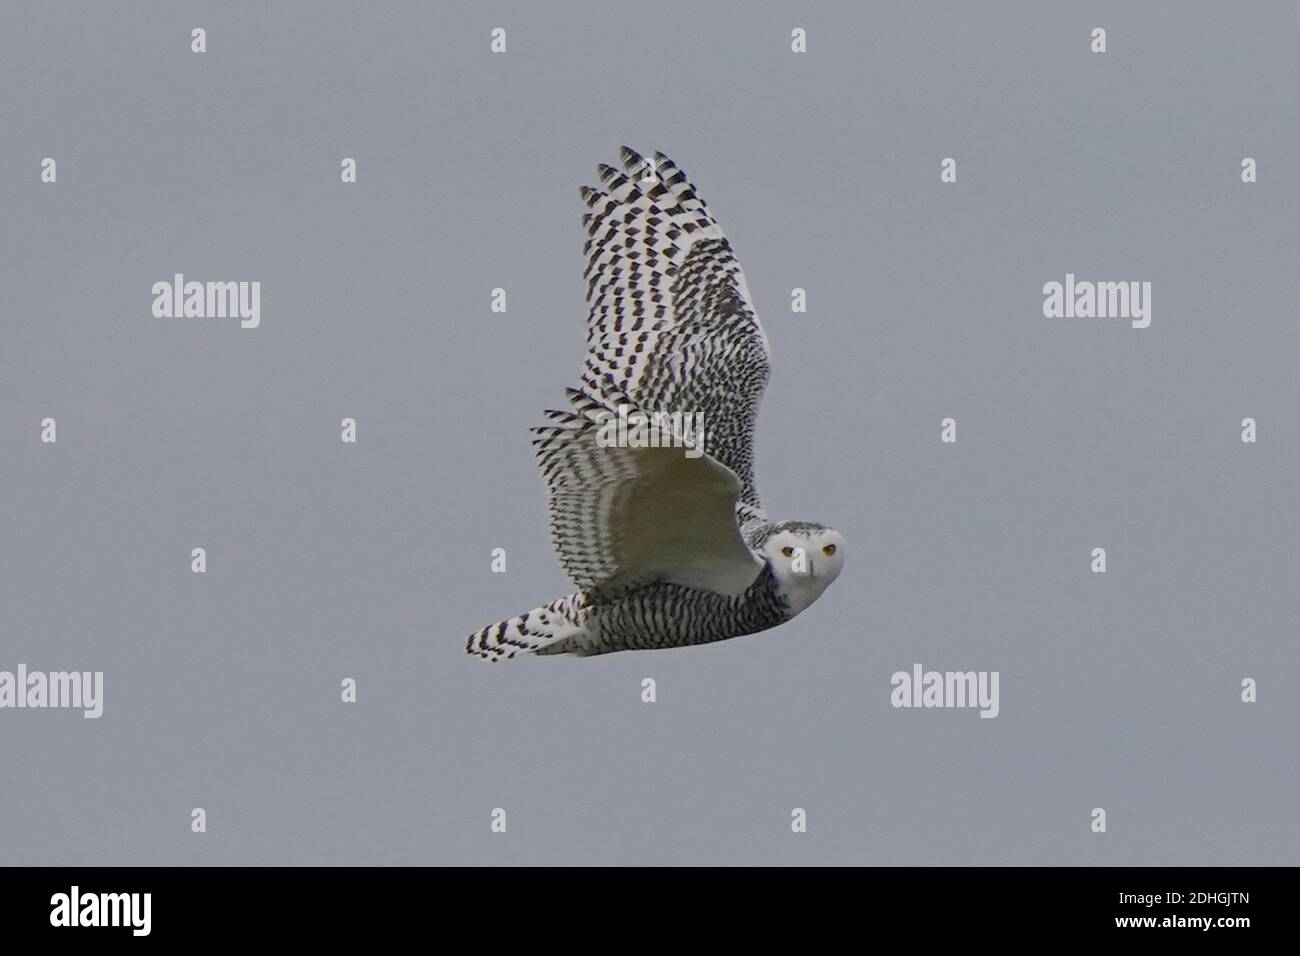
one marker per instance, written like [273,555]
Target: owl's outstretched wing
[671,324]
[621,517]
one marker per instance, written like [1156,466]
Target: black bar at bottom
[561,906]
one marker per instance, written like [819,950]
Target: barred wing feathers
[621,517]
[671,323]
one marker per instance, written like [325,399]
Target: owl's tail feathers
[553,629]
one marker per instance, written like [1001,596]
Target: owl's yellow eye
[788,552]
[828,550]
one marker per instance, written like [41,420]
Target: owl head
[805,557]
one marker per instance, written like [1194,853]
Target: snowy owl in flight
[664,536]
